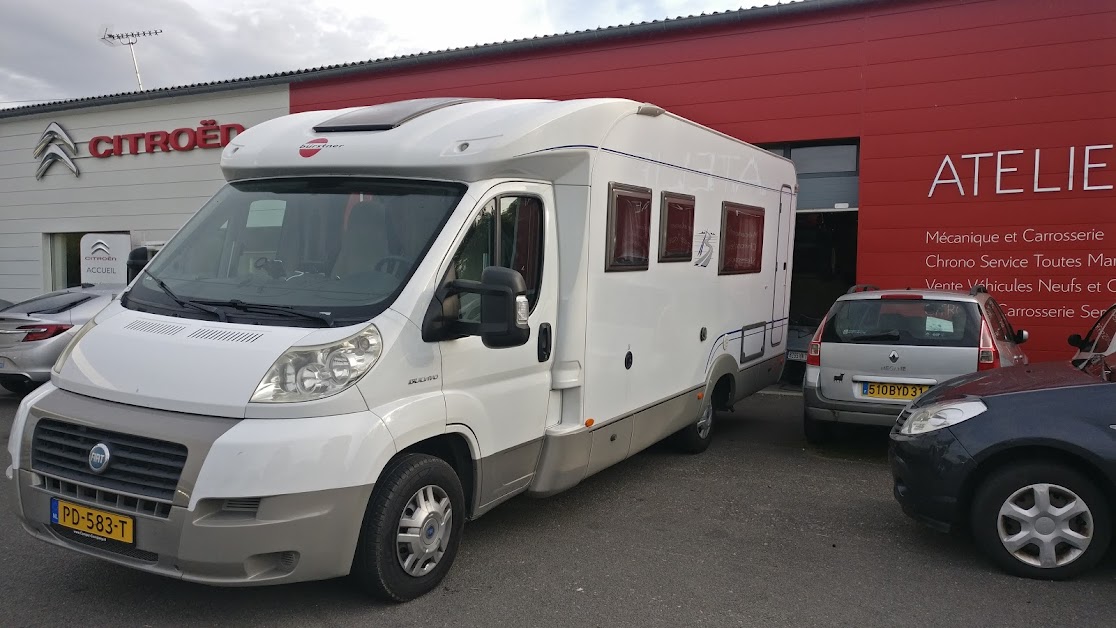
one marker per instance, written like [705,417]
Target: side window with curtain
[509,233]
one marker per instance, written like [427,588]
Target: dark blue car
[1024,458]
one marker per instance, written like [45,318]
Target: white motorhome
[394,318]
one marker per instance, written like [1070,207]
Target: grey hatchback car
[33,333]
[876,350]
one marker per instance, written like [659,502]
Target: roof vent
[388,115]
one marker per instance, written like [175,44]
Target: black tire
[689,439]
[817,432]
[376,565]
[1001,485]
[20,387]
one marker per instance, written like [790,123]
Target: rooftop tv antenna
[129,40]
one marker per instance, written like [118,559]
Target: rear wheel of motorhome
[412,529]
[695,438]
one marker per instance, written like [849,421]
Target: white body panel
[685,324]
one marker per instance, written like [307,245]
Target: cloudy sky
[52,50]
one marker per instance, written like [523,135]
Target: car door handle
[544,342]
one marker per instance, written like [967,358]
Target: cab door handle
[544,342]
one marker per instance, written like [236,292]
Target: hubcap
[1045,525]
[705,422]
[424,530]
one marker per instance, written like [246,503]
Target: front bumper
[820,408]
[239,512]
[286,538]
[928,473]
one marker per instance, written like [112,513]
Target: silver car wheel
[1045,525]
[424,530]
[705,422]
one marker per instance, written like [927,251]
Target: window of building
[828,173]
[741,239]
[508,232]
[629,228]
[676,228]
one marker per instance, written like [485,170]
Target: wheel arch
[721,384]
[457,448]
[1031,453]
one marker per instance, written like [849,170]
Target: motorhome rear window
[741,239]
[915,322]
[676,228]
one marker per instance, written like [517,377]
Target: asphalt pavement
[760,530]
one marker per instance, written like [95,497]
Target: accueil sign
[104,258]
[1082,163]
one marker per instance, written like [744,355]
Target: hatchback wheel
[1041,520]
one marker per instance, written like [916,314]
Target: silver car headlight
[308,373]
[65,355]
[944,414]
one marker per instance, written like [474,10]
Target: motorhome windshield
[286,251]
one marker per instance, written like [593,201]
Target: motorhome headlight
[65,355]
[308,373]
[936,416]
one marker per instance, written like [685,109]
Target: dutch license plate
[798,356]
[91,522]
[877,390]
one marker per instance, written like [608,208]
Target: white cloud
[207,40]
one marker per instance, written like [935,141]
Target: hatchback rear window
[53,303]
[915,322]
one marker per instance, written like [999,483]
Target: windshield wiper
[887,335]
[187,302]
[285,310]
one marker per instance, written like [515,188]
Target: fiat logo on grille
[99,458]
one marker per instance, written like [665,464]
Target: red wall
[915,81]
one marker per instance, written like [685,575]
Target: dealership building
[939,143]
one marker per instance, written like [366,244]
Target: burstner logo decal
[314,146]
[50,149]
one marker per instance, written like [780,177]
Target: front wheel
[1041,520]
[412,529]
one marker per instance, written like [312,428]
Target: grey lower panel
[756,377]
[502,475]
[288,538]
[569,458]
[821,409]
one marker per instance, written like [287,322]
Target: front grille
[101,497]
[139,466]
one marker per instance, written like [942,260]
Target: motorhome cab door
[503,392]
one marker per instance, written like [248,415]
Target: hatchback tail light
[813,354]
[989,356]
[42,332]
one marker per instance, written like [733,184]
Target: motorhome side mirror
[137,260]
[504,308]
[1076,341]
[1021,336]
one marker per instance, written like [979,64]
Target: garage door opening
[824,269]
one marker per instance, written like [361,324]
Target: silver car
[34,333]
[876,350]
